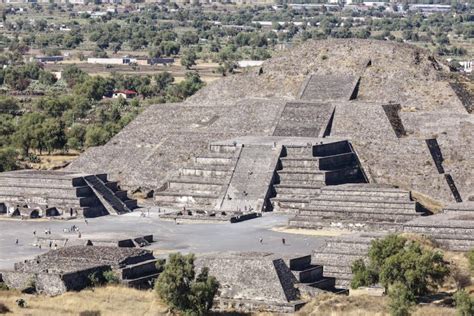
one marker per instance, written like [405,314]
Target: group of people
[283,241]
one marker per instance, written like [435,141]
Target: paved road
[196,238]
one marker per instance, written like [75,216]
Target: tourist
[85,221]
[16,241]
[283,241]
[34,233]
[55,246]
[79,235]
[261,240]
[50,244]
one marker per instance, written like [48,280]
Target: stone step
[335,162]
[59,183]
[205,171]
[347,277]
[300,175]
[337,260]
[357,209]
[439,230]
[139,270]
[46,191]
[202,187]
[355,218]
[296,151]
[223,148]
[318,223]
[299,263]
[184,198]
[343,284]
[52,201]
[305,190]
[360,202]
[324,284]
[333,271]
[356,249]
[311,274]
[290,205]
[372,196]
[214,161]
[300,162]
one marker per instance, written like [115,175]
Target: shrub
[362,276]
[96,278]
[464,303]
[178,287]
[396,259]
[401,299]
[111,277]
[3,287]
[4,309]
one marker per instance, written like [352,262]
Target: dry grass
[339,305]
[54,161]
[335,305]
[110,300]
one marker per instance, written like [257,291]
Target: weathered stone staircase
[116,201]
[339,253]
[308,274]
[358,207]
[200,184]
[304,170]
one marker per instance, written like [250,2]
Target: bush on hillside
[470,257]
[464,303]
[397,259]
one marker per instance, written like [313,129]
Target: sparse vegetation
[397,259]
[464,303]
[111,277]
[470,257]
[178,286]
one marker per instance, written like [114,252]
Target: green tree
[179,288]
[8,159]
[188,59]
[53,133]
[76,136]
[73,75]
[470,257]
[396,259]
[8,105]
[163,80]
[96,136]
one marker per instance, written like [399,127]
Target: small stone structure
[33,194]
[71,268]
[264,282]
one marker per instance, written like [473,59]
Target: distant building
[126,94]
[163,61]
[48,59]
[111,61]
[249,63]
[430,8]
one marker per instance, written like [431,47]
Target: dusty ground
[339,305]
[112,300]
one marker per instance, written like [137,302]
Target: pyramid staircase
[303,171]
[311,275]
[116,201]
[202,184]
[339,253]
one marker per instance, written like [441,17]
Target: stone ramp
[304,119]
[358,207]
[250,182]
[330,87]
